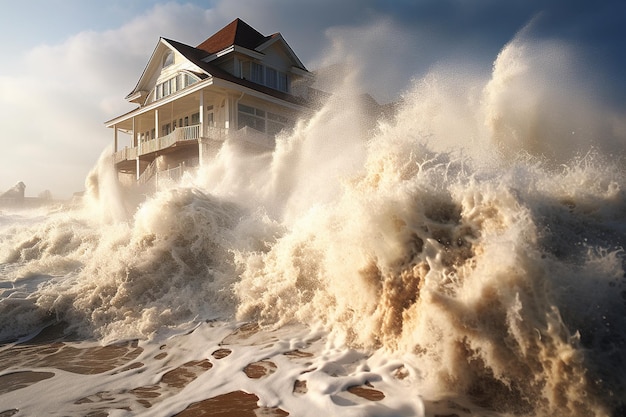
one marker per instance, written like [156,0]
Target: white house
[238,84]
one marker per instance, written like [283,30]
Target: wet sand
[35,360]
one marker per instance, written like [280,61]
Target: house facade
[238,84]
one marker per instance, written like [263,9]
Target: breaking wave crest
[469,231]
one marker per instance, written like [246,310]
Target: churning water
[463,257]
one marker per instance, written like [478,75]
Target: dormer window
[256,73]
[168,59]
[261,74]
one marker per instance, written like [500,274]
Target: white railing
[172,174]
[180,134]
[188,132]
[148,172]
[125,155]
[254,137]
[216,133]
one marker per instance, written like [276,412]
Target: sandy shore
[36,361]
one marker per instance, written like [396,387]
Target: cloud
[54,108]
[55,97]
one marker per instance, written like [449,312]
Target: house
[13,196]
[237,84]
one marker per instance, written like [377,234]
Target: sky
[66,65]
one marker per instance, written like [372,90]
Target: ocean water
[462,257]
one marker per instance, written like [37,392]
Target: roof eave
[234,48]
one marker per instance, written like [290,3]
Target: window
[210,120]
[190,79]
[267,76]
[261,120]
[271,78]
[249,116]
[168,59]
[173,84]
[282,82]
[276,123]
[166,130]
[256,73]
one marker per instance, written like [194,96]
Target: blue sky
[68,64]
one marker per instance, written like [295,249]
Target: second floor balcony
[178,135]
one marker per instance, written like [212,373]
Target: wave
[481,231]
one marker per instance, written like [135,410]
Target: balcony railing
[125,155]
[180,134]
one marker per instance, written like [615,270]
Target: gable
[165,63]
[276,44]
[277,56]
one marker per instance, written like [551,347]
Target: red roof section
[236,32]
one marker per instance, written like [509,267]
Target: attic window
[168,59]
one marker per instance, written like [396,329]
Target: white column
[201,113]
[227,112]
[134,135]
[156,123]
[114,138]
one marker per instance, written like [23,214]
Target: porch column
[156,123]
[133,134]
[202,135]
[114,138]
[227,113]
[201,113]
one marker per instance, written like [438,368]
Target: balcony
[179,135]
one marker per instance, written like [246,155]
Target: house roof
[237,33]
[195,55]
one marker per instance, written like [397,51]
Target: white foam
[469,240]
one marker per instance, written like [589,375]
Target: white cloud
[52,111]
